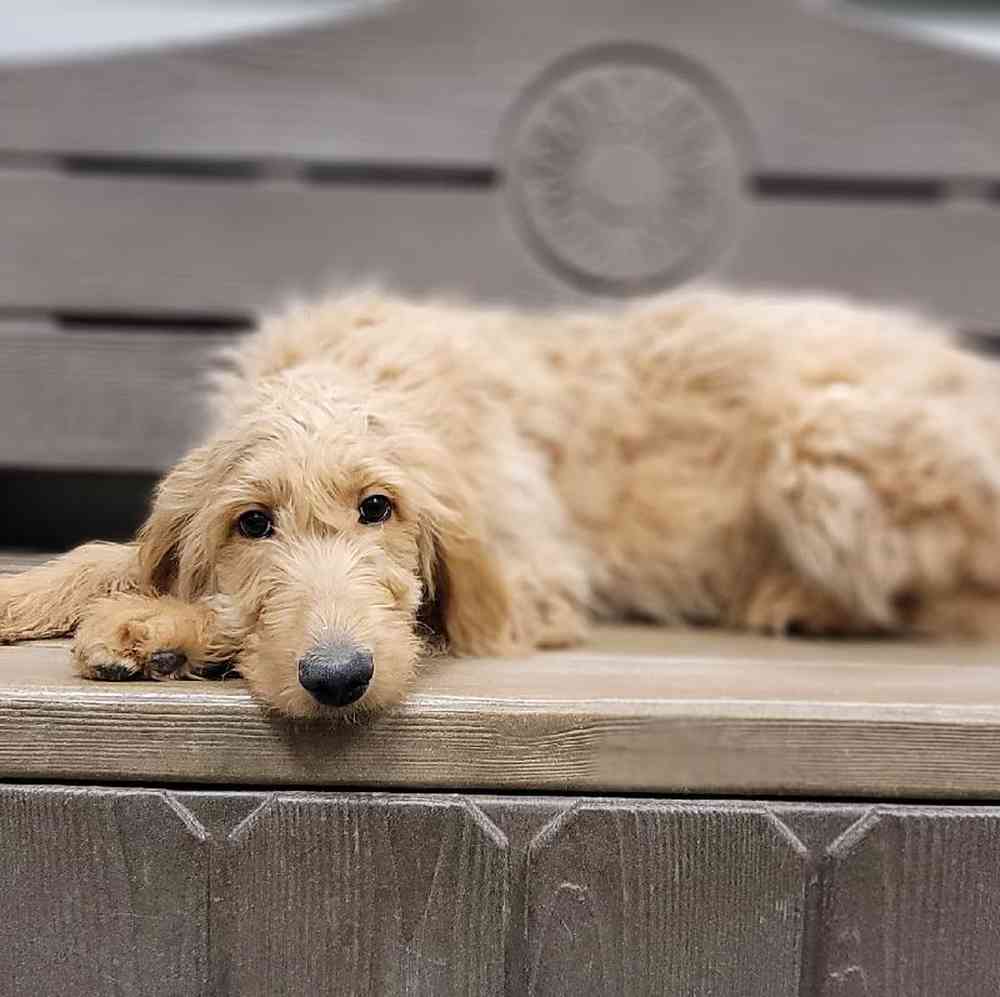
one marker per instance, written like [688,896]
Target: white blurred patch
[46,30]
[969,26]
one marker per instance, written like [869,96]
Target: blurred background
[167,170]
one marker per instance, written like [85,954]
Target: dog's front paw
[129,651]
[120,670]
[135,637]
[785,606]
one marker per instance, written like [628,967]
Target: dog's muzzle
[336,674]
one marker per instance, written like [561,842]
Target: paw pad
[115,671]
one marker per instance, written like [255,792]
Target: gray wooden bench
[641,816]
[766,142]
[657,813]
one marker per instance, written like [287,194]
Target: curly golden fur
[785,464]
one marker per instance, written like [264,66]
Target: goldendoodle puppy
[386,473]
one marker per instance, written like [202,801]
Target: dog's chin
[274,684]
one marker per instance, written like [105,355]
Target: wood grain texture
[659,899]
[431,81]
[520,819]
[637,709]
[361,895]
[92,400]
[232,894]
[941,257]
[911,906]
[224,247]
[103,892]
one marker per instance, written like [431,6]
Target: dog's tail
[49,600]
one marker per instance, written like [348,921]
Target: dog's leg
[95,591]
[784,604]
[48,601]
[130,635]
[890,507]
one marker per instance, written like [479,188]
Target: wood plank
[649,899]
[942,257]
[104,892]
[12,561]
[93,400]
[911,906]
[431,82]
[107,891]
[205,247]
[520,819]
[221,247]
[361,895]
[636,710]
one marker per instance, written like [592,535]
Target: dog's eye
[374,509]
[255,524]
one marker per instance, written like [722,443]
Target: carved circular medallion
[624,170]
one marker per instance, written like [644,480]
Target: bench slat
[92,243]
[92,400]
[430,82]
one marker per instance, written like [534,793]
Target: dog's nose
[336,674]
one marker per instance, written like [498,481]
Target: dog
[390,477]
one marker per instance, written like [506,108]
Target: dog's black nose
[336,674]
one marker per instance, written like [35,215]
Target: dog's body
[780,464]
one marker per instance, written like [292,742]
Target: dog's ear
[173,554]
[468,598]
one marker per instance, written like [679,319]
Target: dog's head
[345,534]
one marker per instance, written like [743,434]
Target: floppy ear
[173,553]
[469,598]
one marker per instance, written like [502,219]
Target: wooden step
[637,710]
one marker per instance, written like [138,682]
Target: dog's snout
[336,674]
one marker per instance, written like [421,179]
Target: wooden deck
[638,710]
